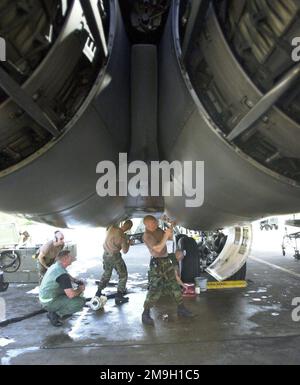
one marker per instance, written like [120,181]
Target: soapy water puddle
[251,312]
[55,340]
[13,353]
[4,341]
[34,291]
[266,298]
[76,331]
[258,291]
[259,302]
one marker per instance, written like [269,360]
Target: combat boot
[182,311]
[120,299]
[98,293]
[146,318]
[54,319]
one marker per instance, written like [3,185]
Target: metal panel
[234,254]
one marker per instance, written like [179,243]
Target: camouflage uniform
[115,241]
[162,280]
[110,262]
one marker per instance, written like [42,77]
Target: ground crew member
[24,238]
[56,292]
[162,277]
[48,253]
[115,242]
[178,257]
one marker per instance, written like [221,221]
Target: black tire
[10,261]
[179,236]
[220,243]
[239,275]
[191,262]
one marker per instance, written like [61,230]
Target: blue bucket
[201,282]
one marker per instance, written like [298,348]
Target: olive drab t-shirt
[115,241]
[153,238]
[51,252]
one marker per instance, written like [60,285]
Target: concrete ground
[233,326]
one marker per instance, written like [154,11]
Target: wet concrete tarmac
[234,326]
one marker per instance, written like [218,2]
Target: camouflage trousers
[63,305]
[111,262]
[162,280]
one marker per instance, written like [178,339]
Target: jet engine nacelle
[211,110]
[68,111]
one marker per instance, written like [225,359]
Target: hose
[38,312]
[19,319]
